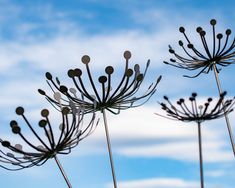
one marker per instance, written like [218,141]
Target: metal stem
[62,172]
[200,155]
[109,149]
[225,115]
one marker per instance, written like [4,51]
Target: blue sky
[149,151]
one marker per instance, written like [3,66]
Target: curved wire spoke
[194,112]
[220,53]
[107,96]
[47,146]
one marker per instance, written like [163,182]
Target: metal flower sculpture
[108,96]
[27,154]
[220,53]
[192,112]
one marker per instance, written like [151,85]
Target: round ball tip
[199,29]
[65,110]
[181,100]
[48,76]
[165,62]
[77,72]
[127,54]
[63,89]
[213,22]
[41,92]
[102,79]
[181,43]
[71,73]
[109,70]
[86,59]
[73,90]
[228,31]
[57,96]
[136,68]
[165,97]
[16,129]
[191,98]
[140,77]
[202,33]
[194,94]
[181,29]
[19,110]
[190,46]
[219,36]
[13,123]
[42,123]
[45,113]
[129,72]
[6,143]
[200,107]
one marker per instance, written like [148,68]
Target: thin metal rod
[62,172]
[225,115]
[200,155]
[109,149]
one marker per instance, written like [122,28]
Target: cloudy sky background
[149,151]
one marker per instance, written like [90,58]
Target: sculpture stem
[62,172]
[109,149]
[200,155]
[225,115]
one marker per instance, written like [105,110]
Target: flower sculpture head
[222,51]
[110,97]
[27,154]
[197,113]
[190,111]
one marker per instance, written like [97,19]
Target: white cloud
[144,135]
[215,173]
[184,151]
[134,133]
[131,136]
[159,183]
[61,53]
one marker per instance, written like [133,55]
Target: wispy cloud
[159,183]
[62,52]
[55,39]
[144,135]
[215,173]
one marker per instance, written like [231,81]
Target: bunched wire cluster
[108,97]
[104,94]
[221,53]
[191,111]
[71,132]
